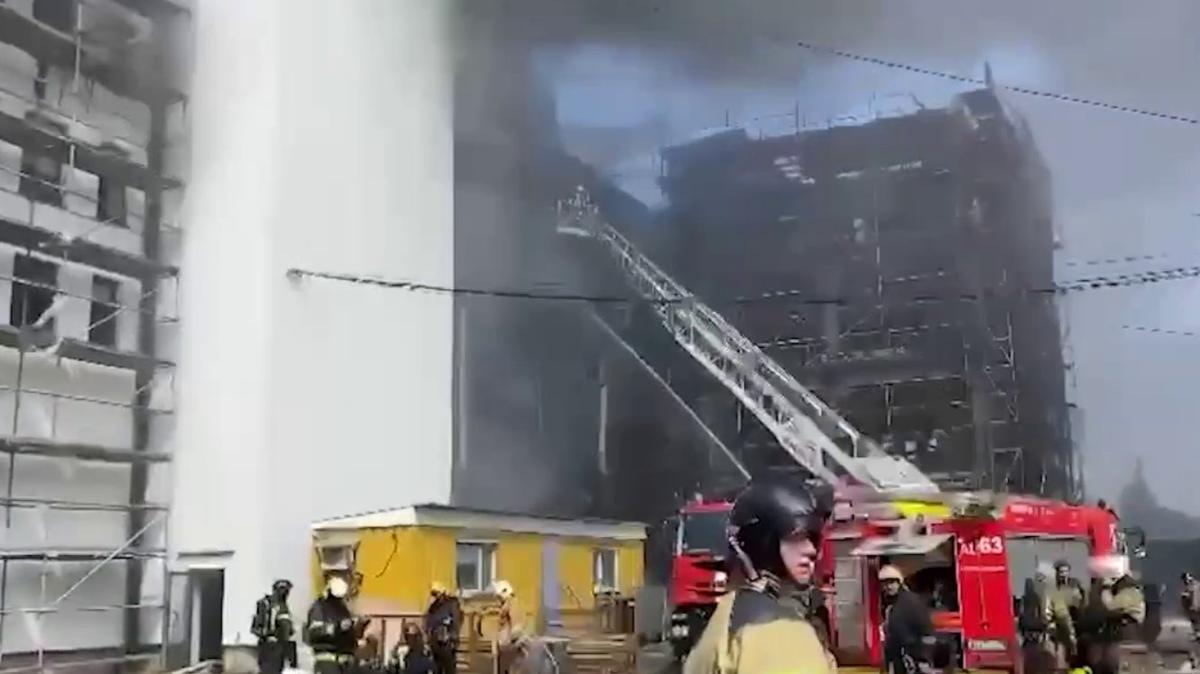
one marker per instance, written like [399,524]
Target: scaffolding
[73,211]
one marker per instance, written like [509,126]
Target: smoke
[613,80]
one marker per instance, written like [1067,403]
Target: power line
[1161,331]
[793,296]
[1027,91]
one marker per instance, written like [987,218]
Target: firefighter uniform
[1126,606]
[751,632]
[332,630]
[443,621]
[762,627]
[907,625]
[506,649]
[1114,617]
[272,626]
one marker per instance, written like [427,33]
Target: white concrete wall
[321,138]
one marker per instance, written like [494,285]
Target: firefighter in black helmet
[272,626]
[774,535]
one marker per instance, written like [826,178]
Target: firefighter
[759,628]
[332,630]
[443,620]
[272,626]
[1068,588]
[506,649]
[1190,600]
[1124,606]
[1047,631]
[907,625]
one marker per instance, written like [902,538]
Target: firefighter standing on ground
[759,628]
[332,630]
[443,621]
[1047,631]
[273,627]
[506,649]
[1120,598]
[907,625]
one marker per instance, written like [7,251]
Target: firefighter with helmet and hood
[759,628]
[333,630]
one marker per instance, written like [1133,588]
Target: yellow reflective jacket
[754,633]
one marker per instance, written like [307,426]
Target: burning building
[902,268]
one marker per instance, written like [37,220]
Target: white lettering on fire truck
[984,545]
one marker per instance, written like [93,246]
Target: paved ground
[657,659]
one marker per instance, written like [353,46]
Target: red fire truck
[697,570]
[969,554]
[970,551]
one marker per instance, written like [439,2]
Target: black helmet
[768,512]
[1062,564]
[282,584]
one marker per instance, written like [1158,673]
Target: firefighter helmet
[281,585]
[768,512]
[889,572]
[503,589]
[337,587]
[1109,568]
[437,589]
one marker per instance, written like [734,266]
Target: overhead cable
[794,296]
[1161,331]
[1027,91]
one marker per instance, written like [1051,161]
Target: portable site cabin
[554,565]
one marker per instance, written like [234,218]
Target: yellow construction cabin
[556,566]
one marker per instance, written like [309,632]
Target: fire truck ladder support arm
[812,433]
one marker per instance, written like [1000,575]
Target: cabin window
[604,570]
[336,557]
[474,565]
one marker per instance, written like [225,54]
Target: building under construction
[902,268]
[87,270]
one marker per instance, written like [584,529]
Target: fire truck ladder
[812,433]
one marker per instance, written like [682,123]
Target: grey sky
[1124,185]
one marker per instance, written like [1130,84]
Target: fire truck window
[704,532]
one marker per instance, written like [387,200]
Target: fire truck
[970,558]
[698,577]
[969,552]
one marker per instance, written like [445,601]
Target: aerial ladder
[819,439]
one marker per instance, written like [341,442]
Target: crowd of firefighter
[774,620]
[337,636]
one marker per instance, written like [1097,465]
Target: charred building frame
[902,267]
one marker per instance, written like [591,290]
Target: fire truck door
[985,601]
[850,611]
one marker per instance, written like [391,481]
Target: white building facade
[180,407]
[322,140]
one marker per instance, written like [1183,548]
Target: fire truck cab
[698,575]
[969,566]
